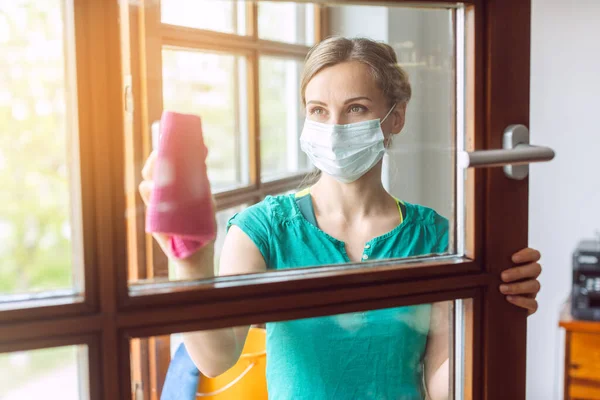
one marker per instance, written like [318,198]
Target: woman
[355,96]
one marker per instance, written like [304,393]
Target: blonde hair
[380,57]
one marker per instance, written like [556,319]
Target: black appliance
[585,298]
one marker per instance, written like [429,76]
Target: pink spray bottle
[181,203]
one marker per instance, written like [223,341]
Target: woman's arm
[215,351]
[437,365]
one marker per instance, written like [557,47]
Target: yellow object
[246,379]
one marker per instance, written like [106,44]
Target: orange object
[246,379]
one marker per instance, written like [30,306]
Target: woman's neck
[363,197]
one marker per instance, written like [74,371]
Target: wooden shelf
[582,356]
[569,323]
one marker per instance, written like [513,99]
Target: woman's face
[346,93]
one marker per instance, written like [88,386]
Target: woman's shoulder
[425,215]
[269,209]
[437,226]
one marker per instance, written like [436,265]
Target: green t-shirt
[366,355]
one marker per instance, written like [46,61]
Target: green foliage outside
[35,244]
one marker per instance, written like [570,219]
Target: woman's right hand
[213,351]
[198,265]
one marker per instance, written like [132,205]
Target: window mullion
[252,19]
[253,119]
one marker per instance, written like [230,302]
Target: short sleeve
[442,234]
[256,222]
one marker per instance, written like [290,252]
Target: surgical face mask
[345,152]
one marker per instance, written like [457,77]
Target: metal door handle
[515,156]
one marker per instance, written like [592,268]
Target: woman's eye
[356,109]
[317,111]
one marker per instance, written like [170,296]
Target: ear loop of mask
[388,142]
[389,112]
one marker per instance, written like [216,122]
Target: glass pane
[281,118]
[419,166]
[57,372]
[386,190]
[226,16]
[394,353]
[212,86]
[37,205]
[286,22]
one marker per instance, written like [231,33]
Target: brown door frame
[507,74]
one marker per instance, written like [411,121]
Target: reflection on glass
[281,118]
[212,86]
[35,195]
[394,353]
[42,374]
[227,16]
[286,22]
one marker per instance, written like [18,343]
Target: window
[286,22]
[105,310]
[212,85]
[227,16]
[39,215]
[29,374]
[247,379]
[281,118]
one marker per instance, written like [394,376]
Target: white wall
[564,202]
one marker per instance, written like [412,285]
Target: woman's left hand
[520,282]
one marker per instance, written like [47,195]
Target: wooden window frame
[109,315]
